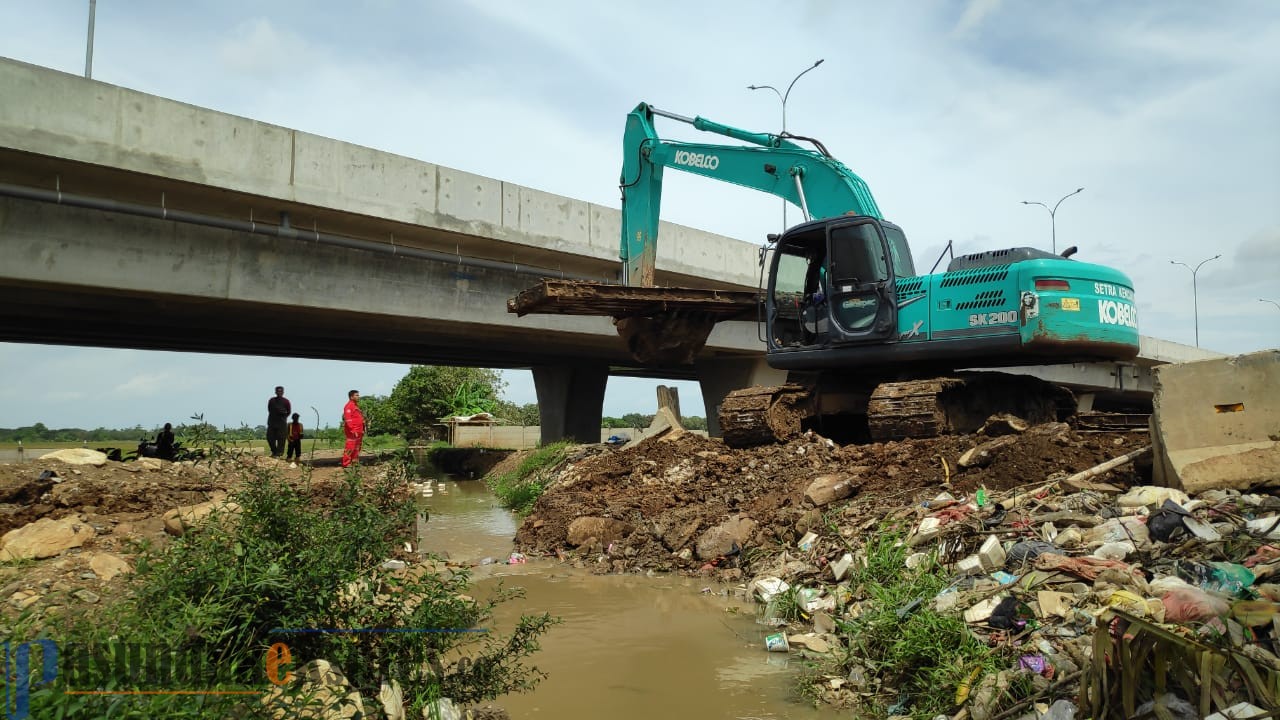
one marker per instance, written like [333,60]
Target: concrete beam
[77,129]
[80,276]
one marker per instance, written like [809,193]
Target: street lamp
[1052,222]
[783,97]
[1273,302]
[1195,302]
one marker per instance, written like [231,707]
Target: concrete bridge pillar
[720,376]
[571,401]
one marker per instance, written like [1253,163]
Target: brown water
[628,647]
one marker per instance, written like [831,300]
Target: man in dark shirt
[278,409]
[164,442]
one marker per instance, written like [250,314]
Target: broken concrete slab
[1215,423]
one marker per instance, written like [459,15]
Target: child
[295,440]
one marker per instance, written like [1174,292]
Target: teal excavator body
[842,291]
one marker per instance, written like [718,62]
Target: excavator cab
[831,283]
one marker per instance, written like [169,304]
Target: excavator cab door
[863,301]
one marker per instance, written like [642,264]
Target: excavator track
[960,405]
[764,414]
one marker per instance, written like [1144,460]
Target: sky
[1166,113]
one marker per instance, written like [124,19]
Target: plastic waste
[1022,553]
[1114,550]
[1060,710]
[517,559]
[1118,530]
[1191,604]
[777,642]
[1151,496]
[1216,576]
[1165,524]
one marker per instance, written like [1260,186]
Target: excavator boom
[817,183]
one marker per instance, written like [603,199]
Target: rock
[319,692]
[107,566]
[810,641]
[829,488]
[87,596]
[44,538]
[148,463]
[983,454]
[77,456]
[605,530]
[721,539]
[841,566]
[181,519]
[1003,424]
[23,599]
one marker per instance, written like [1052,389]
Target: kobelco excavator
[872,347]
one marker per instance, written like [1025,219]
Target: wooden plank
[577,297]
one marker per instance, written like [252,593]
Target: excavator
[873,349]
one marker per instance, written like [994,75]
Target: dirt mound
[673,491]
[124,504]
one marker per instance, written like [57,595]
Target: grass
[519,489]
[924,656]
[216,596]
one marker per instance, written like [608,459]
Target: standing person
[295,440]
[278,409]
[352,428]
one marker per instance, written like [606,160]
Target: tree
[514,414]
[429,393]
[380,416]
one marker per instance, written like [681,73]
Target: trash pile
[1089,598]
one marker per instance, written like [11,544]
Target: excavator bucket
[1216,423]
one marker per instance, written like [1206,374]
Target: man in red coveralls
[353,428]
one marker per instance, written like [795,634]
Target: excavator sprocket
[961,404]
[764,414]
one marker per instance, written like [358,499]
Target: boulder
[606,530]
[1003,424]
[829,488]
[721,539]
[77,456]
[44,538]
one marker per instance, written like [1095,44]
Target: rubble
[1051,548]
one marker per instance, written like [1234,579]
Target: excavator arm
[817,183]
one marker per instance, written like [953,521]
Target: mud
[672,491]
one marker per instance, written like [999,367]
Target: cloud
[974,13]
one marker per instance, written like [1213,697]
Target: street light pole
[782,96]
[88,49]
[1195,302]
[1273,302]
[1053,224]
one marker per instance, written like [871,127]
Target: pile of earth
[123,503]
[689,503]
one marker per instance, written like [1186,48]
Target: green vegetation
[521,488]
[899,638]
[220,596]
[636,420]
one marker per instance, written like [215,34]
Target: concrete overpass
[129,220]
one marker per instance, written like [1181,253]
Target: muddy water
[628,647]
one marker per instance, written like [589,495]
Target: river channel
[628,647]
